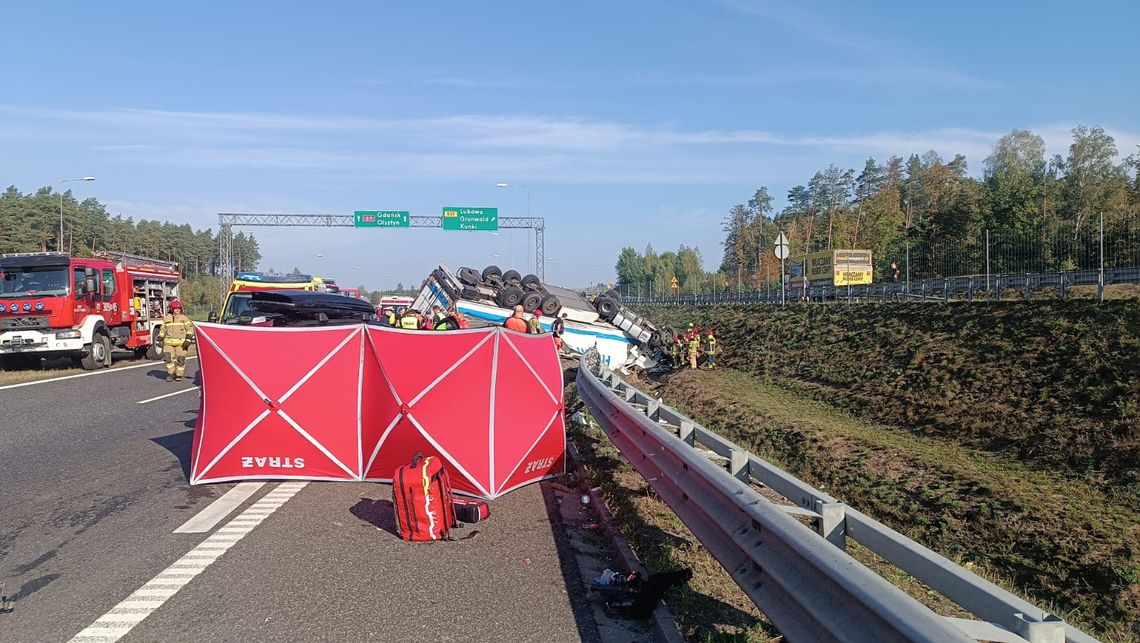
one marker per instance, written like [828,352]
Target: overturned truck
[489,296]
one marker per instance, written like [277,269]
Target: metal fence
[803,580]
[1047,258]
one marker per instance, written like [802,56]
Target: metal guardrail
[803,580]
[968,287]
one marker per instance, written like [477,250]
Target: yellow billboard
[840,267]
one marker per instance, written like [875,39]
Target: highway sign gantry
[467,218]
[381,219]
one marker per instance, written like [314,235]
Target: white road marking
[219,509]
[72,377]
[114,624]
[162,397]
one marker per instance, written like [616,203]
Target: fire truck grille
[23,323]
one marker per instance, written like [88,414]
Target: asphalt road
[93,486]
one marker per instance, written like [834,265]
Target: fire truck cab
[53,305]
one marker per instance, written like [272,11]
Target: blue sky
[630,122]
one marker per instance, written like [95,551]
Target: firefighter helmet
[175,305]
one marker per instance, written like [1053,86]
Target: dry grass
[1069,546]
[62,368]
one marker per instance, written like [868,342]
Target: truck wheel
[607,307]
[612,294]
[531,301]
[469,276]
[510,297]
[550,305]
[512,278]
[97,354]
[154,351]
[531,282]
[491,270]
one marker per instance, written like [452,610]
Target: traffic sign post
[479,219]
[381,219]
[782,254]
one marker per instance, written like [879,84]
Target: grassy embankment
[1005,437]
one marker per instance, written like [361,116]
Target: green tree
[630,267]
[1014,176]
[1093,182]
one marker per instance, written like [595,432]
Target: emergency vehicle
[245,284]
[55,305]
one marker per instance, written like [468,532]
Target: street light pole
[513,185]
[86,178]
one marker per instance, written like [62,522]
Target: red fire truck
[53,305]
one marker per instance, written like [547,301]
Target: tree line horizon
[1041,209]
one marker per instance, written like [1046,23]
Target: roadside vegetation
[710,608]
[1006,437]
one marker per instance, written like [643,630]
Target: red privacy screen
[356,402]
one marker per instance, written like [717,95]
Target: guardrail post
[653,409]
[738,465]
[832,524]
[687,433]
[1050,629]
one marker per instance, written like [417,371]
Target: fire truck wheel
[96,355]
[154,351]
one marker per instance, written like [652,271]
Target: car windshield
[34,281]
[237,307]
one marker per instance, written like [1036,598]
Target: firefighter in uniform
[694,349]
[710,350]
[176,333]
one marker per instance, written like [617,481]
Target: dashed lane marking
[162,397]
[121,618]
[92,373]
[220,508]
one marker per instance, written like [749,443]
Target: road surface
[94,487]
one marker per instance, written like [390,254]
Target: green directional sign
[470,218]
[381,219]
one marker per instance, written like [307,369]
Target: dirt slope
[1055,385]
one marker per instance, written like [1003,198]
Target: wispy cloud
[793,15]
[876,60]
[559,149]
[446,81]
[471,83]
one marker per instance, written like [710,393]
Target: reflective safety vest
[392,319]
[694,345]
[176,329]
[711,348]
[409,322]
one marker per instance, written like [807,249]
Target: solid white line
[219,509]
[162,397]
[71,377]
[114,625]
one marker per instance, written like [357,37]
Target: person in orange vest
[516,321]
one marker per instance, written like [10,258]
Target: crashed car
[299,308]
